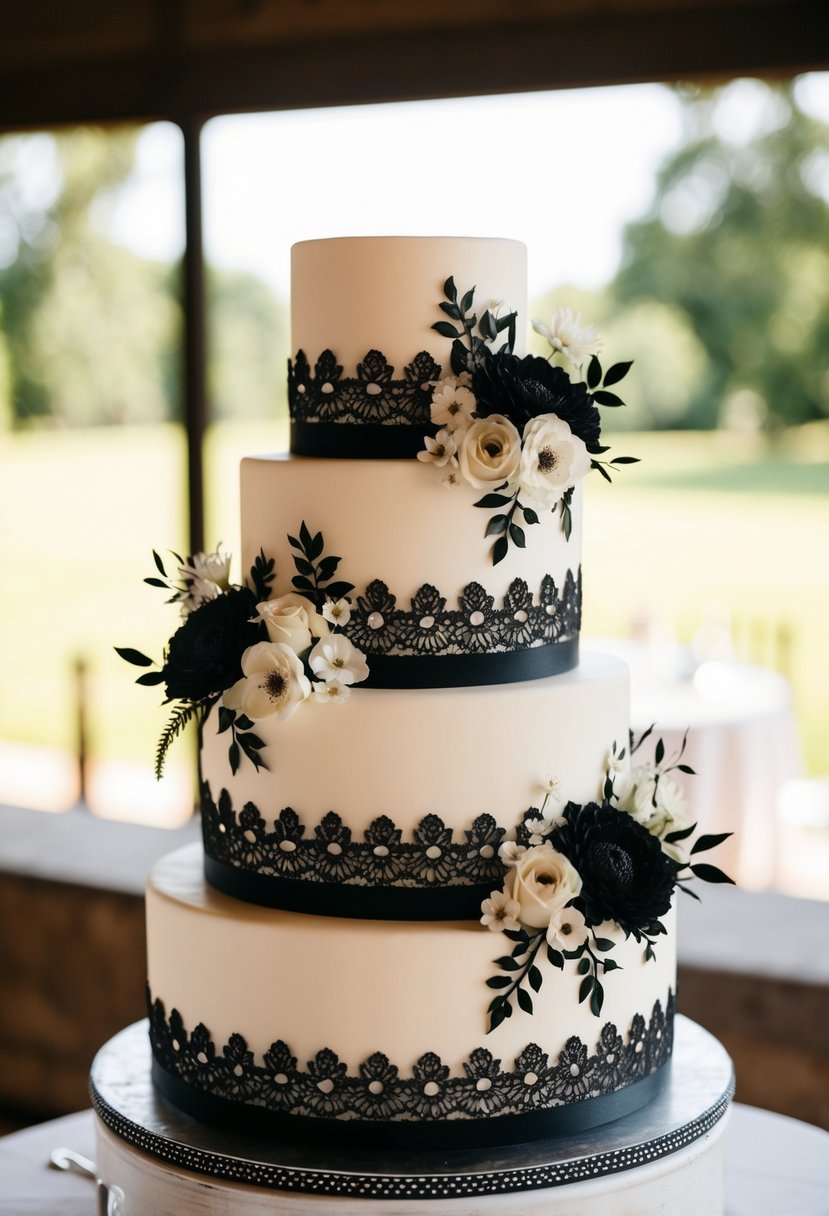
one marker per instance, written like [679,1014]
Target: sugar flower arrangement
[520,429]
[252,655]
[575,870]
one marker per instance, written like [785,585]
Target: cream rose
[541,882]
[292,620]
[489,452]
[552,459]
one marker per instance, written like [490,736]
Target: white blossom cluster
[304,656]
[541,463]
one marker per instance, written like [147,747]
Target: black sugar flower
[524,388]
[626,876]
[204,655]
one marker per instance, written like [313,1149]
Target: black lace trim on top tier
[329,872]
[576,1090]
[429,645]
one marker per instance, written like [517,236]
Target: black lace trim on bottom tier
[377,1107]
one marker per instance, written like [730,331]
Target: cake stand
[666,1157]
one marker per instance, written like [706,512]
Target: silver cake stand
[694,1098]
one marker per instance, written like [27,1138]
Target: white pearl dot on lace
[328,387]
[476,618]
[325,1086]
[426,622]
[334,848]
[374,390]
[433,852]
[486,850]
[287,846]
[520,616]
[380,850]
[375,620]
[281,1079]
[375,1087]
[483,1084]
[431,1088]
[530,1078]
[574,1070]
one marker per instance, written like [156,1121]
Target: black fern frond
[184,712]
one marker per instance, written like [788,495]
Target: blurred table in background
[742,743]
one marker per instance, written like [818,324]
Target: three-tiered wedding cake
[434,905]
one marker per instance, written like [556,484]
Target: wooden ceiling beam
[180,80]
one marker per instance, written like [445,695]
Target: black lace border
[429,645]
[377,1108]
[330,872]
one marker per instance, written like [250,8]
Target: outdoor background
[691,227]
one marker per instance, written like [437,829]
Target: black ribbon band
[346,899]
[357,440]
[557,1121]
[470,670]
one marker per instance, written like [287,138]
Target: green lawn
[705,522]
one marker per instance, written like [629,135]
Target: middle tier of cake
[396,803]
[428,606]
[306,1023]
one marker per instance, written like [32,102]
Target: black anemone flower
[523,388]
[626,877]
[204,655]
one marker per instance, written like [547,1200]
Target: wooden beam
[179,79]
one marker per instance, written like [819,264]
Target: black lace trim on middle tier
[330,872]
[378,1095]
[479,642]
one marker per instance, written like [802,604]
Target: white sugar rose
[453,403]
[552,459]
[541,882]
[335,659]
[273,684]
[292,619]
[489,452]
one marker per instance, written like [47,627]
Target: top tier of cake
[362,316]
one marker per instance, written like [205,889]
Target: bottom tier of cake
[666,1158]
[377,1031]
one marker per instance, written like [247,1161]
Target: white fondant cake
[440,911]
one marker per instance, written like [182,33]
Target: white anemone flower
[566,930]
[439,451]
[337,612]
[273,684]
[568,336]
[335,658]
[511,852]
[499,912]
[538,829]
[453,403]
[552,459]
[332,691]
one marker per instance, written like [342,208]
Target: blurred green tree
[86,323]
[735,251]
[90,333]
